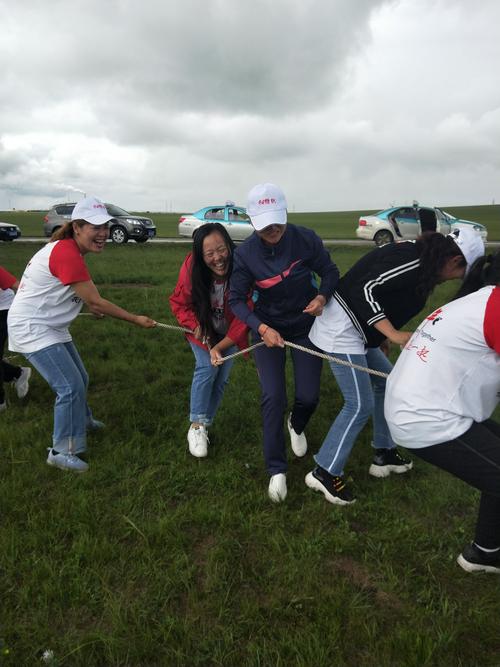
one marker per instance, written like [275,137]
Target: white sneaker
[3,406]
[298,441]
[277,487]
[198,441]
[66,461]
[22,383]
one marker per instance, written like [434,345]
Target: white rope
[174,327]
[322,355]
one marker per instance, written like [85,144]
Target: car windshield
[116,210]
[446,216]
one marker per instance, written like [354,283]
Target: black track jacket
[382,284]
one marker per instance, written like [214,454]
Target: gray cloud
[344,103]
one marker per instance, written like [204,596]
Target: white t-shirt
[333,331]
[448,375]
[45,303]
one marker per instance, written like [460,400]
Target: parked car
[408,222]
[123,227]
[234,218]
[9,232]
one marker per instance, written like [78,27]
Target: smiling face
[272,234]
[90,238]
[216,254]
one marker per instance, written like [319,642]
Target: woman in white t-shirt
[442,392]
[54,286]
[378,296]
[200,303]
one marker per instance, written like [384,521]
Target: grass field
[337,225]
[156,558]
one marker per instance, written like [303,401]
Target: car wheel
[383,237]
[118,235]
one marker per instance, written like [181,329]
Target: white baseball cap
[91,210]
[470,243]
[266,205]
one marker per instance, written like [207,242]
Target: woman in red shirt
[200,303]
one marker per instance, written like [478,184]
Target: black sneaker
[473,559]
[333,487]
[386,461]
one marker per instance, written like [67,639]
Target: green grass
[155,558]
[340,224]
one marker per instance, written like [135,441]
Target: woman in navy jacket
[278,262]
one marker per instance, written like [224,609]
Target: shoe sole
[55,465]
[385,471]
[476,568]
[316,485]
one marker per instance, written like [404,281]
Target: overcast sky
[173,105]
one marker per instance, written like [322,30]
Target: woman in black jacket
[377,296]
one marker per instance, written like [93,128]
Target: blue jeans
[207,387]
[363,396]
[60,365]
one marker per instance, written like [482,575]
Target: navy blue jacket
[282,279]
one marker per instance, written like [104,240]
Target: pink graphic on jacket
[274,280]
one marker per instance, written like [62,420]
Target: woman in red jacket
[199,302]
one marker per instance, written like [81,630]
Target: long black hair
[484,271]
[434,251]
[202,277]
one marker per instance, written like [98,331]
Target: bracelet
[267,327]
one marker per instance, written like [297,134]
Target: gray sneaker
[66,461]
[22,384]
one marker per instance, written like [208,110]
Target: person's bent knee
[360,410]
[73,390]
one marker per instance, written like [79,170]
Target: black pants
[271,363]
[8,372]
[474,457]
